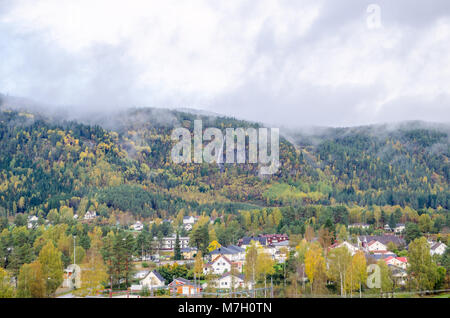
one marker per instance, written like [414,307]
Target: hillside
[121,163]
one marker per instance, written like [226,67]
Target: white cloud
[293,62]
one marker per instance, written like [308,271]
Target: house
[231,281]
[72,277]
[168,243]
[275,238]
[437,248]
[363,240]
[90,215]
[188,252]
[246,241]
[188,222]
[138,226]
[351,248]
[181,286]
[399,275]
[374,246]
[152,280]
[232,252]
[399,228]
[32,221]
[140,274]
[218,266]
[400,262]
[363,226]
[375,257]
[387,227]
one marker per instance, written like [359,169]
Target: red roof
[402,259]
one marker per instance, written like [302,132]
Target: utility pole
[271,286]
[74,249]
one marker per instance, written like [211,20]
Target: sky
[287,63]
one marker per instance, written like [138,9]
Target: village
[223,271]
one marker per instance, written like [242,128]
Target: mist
[288,64]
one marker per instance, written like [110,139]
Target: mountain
[120,162]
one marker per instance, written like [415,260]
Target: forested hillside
[121,163]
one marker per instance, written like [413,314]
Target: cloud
[283,62]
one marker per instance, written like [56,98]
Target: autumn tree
[31,281]
[387,282]
[198,263]
[264,266]
[357,272]
[315,266]
[251,261]
[6,288]
[339,262]
[52,267]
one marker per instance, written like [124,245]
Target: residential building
[90,215]
[138,226]
[437,248]
[400,262]
[363,240]
[152,280]
[218,266]
[351,248]
[181,286]
[363,226]
[231,281]
[188,252]
[374,246]
[399,228]
[168,243]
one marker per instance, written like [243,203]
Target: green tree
[422,269]
[387,283]
[412,232]
[177,249]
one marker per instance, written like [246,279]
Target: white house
[399,275]
[90,215]
[374,246]
[218,266]
[168,243]
[438,248]
[400,262]
[363,226]
[32,221]
[188,222]
[138,226]
[232,252]
[230,281]
[399,228]
[350,247]
[152,280]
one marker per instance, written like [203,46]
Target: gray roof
[384,239]
[241,276]
[246,240]
[184,281]
[158,275]
[227,250]
[379,256]
[236,248]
